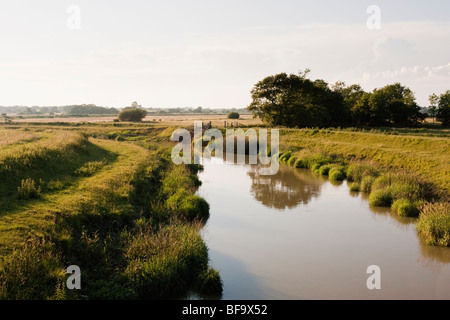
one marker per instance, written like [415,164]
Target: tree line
[296,101]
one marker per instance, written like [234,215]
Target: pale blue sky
[211,53]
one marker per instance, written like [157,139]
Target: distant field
[181,120]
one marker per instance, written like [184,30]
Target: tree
[443,108]
[295,101]
[233,115]
[394,104]
[132,114]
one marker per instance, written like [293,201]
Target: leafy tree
[132,114]
[295,101]
[394,104]
[443,109]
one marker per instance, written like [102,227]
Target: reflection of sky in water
[296,236]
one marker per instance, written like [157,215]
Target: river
[295,235]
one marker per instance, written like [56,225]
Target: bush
[132,114]
[381,197]
[188,206]
[89,168]
[336,173]
[357,171]
[381,182]
[366,183]
[285,156]
[354,187]
[233,115]
[28,190]
[405,208]
[324,170]
[209,282]
[291,161]
[301,163]
[434,223]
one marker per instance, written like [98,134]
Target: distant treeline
[296,101]
[82,109]
[197,110]
[92,109]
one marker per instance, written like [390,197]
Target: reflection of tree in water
[286,189]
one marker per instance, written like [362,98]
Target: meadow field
[106,196]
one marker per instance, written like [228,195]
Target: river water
[295,235]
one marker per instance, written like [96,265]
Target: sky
[211,53]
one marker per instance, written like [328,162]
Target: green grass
[381,197]
[434,223]
[425,155]
[104,205]
[406,208]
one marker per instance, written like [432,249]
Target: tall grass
[434,223]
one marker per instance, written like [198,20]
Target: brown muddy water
[295,235]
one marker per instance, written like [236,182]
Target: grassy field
[110,202]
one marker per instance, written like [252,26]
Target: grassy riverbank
[106,199]
[408,172]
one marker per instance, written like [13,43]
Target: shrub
[188,206]
[381,197]
[132,114]
[291,161]
[28,190]
[381,182]
[324,170]
[357,171]
[336,173]
[354,187]
[89,168]
[301,163]
[366,183]
[285,156]
[233,115]
[434,223]
[209,282]
[405,207]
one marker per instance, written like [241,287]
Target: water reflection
[286,189]
[431,256]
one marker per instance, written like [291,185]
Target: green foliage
[443,108]
[31,273]
[233,115]
[337,173]
[301,163]
[28,190]
[325,169]
[405,207]
[381,197]
[89,168]
[356,171]
[209,282]
[434,223]
[354,187]
[366,183]
[165,263]
[291,161]
[295,101]
[132,114]
[188,206]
